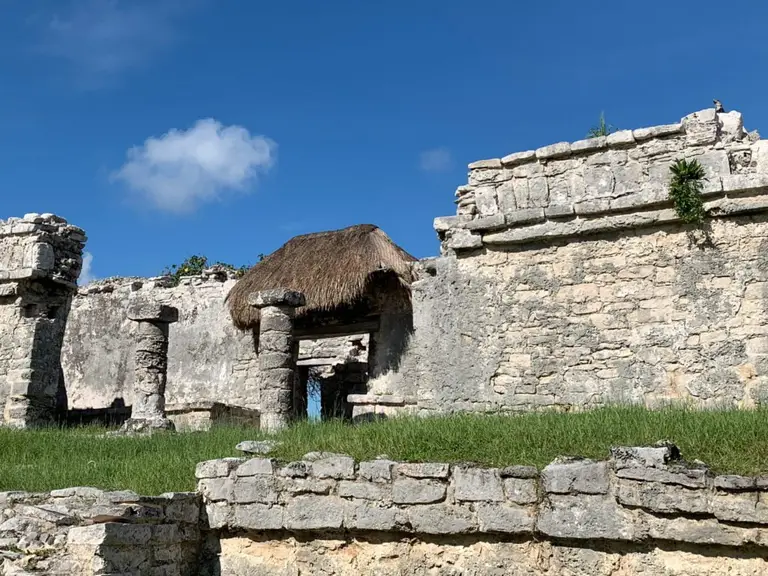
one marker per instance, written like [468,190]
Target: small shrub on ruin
[602,128]
[688,178]
[194,266]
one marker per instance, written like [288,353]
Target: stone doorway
[330,369]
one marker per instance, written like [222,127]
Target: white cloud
[182,169]
[86,273]
[436,160]
[101,38]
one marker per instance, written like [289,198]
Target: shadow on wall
[111,416]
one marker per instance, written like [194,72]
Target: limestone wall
[208,359]
[549,295]
[86,531]
[642,512]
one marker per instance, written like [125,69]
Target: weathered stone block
[505,519]
[662,498]
[214,489]
[518,158]
[521,490]
[257,517]
[336,466]
[620,138]
[558,150]
[462,239]
[255,466]
[588,145]
[413,491]
[735,483]
[485,164]
[293,486]
[644,456]
[519,472]
[689,477]
[217,468]
[442,519]
[485,200]
[314,513]
[361,515]
[424,470]
[364,490]
[477,485]
[579,476]
[739,507]
[255,489]
[277,297]
[148,311]
[584,518]
[377,470]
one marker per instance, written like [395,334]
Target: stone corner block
[146,311]
[277,297]
[485,164]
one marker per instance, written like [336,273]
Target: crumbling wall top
[40,246]
[573,188]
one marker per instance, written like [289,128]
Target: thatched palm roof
[339,269]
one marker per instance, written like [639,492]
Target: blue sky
[167,128]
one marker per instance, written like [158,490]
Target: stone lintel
[277,297]
[380,399]
[145,311]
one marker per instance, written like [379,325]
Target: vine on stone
[688,178]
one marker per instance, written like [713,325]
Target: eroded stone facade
[567,280]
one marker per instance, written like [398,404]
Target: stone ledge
[596,219]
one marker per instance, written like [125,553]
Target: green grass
[728,440]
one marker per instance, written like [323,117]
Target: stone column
[151,369]
[277,354]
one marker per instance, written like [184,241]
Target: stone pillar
[151,369]
[40,261]
[277,354]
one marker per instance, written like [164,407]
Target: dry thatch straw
[356,267]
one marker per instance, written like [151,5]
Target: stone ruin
[40,261]
[565,280]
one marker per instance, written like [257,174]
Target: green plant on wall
[194,266]
[602,128]
[688,178]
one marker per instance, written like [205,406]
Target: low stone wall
[86,531]
[642,512]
